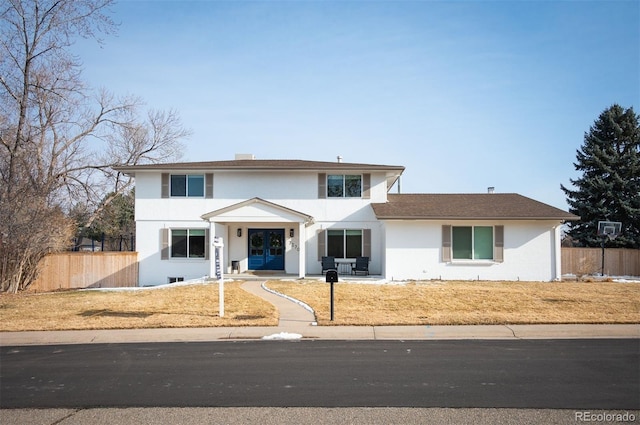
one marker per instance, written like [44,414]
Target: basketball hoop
[608,229]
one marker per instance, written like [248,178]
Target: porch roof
[268,207]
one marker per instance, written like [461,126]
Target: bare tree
[58,138]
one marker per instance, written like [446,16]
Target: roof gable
[479,206]
[258,209]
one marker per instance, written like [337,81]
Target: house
[285,215]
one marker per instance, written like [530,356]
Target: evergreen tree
[609,188]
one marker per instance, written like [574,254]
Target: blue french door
[266,249]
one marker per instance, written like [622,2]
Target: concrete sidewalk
[320,332]
[297,321]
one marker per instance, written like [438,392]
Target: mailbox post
[331,278]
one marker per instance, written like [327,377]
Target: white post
[556,234]
[218,263]
[302,251]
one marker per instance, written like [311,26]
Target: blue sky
[464,94]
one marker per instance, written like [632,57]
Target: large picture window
[344,243]
[344,186]
[472,242]
[188,243]
[187,185]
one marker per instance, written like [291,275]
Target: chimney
[339,158]
[241,156]
[491,189]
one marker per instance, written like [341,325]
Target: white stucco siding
[155,271]
[297,191]
[414,251]
[239,186]
[377,244]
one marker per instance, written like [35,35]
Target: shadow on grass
[248,317]
[142,315]
[112,313]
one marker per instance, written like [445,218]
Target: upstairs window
[344,186]
[189,185]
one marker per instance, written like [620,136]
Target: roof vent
[241,156]
[491,189]
[339,158]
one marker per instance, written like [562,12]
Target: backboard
[610,229]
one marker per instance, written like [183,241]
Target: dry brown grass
[171,307]
[466,303]
[449,303]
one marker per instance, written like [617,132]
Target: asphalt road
[524,374]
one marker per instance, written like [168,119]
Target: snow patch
[282,336]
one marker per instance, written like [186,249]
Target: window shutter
[321,244]
[165,185]
[366,243]
[164,244]
[498,248]
[322,186]
[446,243]
[208,182]
[207,247]
[366,186]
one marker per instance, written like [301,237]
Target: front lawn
[416,303]
[469,303]
[186,306]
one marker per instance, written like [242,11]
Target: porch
[260,236]
[269,275]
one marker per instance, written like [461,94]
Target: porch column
[556,233]
[302,254]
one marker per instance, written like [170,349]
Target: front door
[266,249]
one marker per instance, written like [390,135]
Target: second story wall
[293,189]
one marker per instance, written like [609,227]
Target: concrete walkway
[294,314]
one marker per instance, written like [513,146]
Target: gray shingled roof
[259,164]
[479,206]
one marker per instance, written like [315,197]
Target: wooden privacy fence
[588,261]
[71,270]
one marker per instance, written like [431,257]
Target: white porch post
[557,245]
[302,254]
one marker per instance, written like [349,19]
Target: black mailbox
[332,276]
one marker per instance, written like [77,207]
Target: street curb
[421,333]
